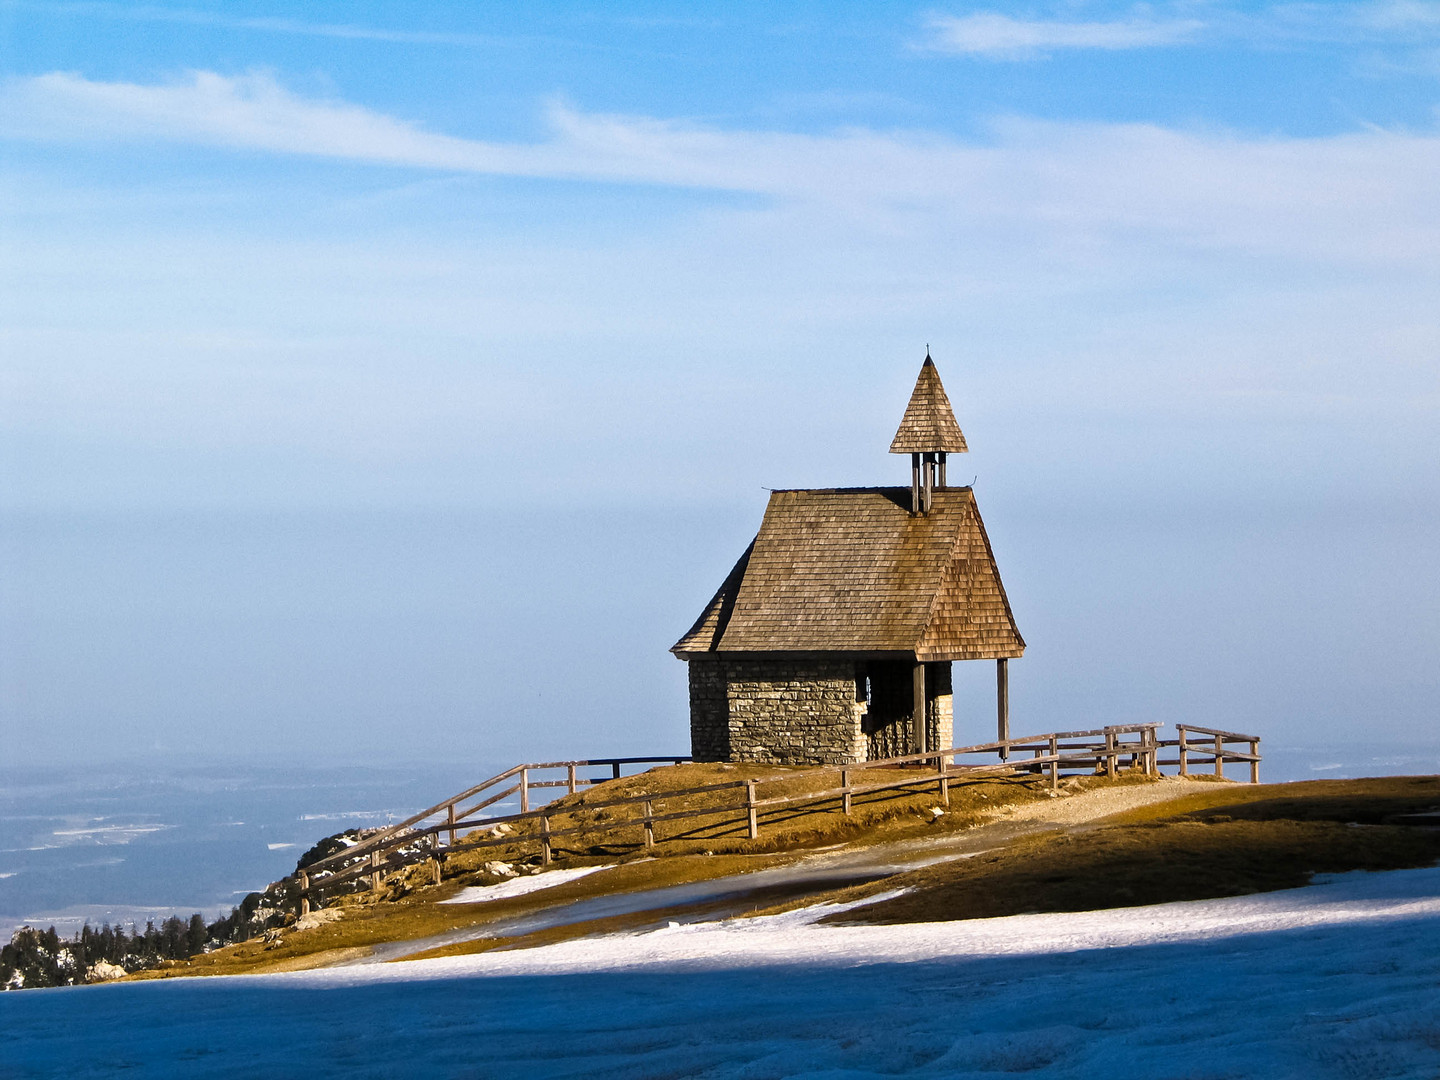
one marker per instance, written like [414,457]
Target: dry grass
[1228,841]
[720,824]
[406,909]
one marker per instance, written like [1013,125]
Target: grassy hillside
[1029,852]
[1226,840]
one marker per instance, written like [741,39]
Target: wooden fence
[424,836]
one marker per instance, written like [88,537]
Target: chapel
[831,640]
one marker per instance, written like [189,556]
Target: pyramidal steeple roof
[929,424]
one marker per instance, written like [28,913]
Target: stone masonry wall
[793,711]
[709,710]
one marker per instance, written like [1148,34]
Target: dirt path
[1091,806]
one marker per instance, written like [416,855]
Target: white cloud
[1366,195]
[987,33]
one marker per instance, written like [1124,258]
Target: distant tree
[196,935]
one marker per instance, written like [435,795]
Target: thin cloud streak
[995,36]
[1402,14]
[275,25]
[988,33]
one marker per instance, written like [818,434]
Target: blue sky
[271,270]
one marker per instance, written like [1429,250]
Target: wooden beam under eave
[1002,703]
[917,717]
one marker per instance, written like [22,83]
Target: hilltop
[1003,846]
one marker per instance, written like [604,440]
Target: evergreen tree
[196,936]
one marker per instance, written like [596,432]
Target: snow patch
[795,939]
[1331,982]
[479,894]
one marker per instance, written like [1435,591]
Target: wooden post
[944,779]
[845,783]
[941,457]
[1219,756]
[375,870]
[750,807]
[545,839]
[914,484]
[570,779]
[435,871]
[1109,753]
[1002,705]
[649,825]
[615,770]
[303,880]
[1184,751]
[1254,764]
[524,791]
[1054,764]
[918,723]
[450,817]
[927,477]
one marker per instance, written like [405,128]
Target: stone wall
[791,711]
[709,710]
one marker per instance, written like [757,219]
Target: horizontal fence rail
[427,835]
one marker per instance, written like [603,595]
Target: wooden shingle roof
[929,422]
[851,570]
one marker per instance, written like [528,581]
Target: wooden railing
[1099,750]
[1212,750]
[340,868]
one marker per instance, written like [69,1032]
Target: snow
[479,894]
[1339,980]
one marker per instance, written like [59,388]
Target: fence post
[1254,763]
[450,817]
[303,880]
[615,770]
[750,808]
[1110,752]
[544,839]
[649,824]
[944,779]
[435,871]
[570,779]
[375,870]
[845,784]
[1184,751]
[1147,751]
[1054,764]
[524,791]
[1219,756]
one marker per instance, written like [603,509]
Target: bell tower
[928,432]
